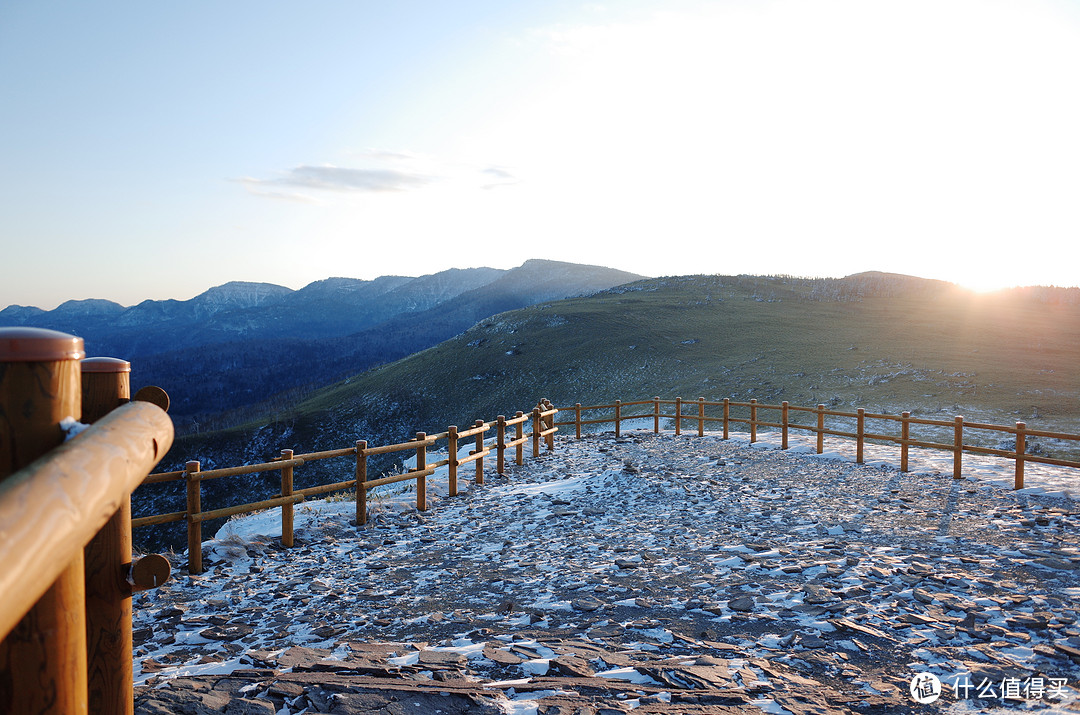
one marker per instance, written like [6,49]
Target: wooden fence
[902,424]
[543,431]
[68,576]
[752,414]
[544,427]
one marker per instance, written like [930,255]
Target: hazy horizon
[298,287]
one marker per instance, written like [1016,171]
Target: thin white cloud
[382,172]
[498,177]
[336,178]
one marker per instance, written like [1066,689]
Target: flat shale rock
[709,578]
[742,604]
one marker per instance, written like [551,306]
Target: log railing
[68,572]
[785,423]
[752,414]
[543,430]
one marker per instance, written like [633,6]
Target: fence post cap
[105,365]
[22,344]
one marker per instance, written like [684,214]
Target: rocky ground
[650,572]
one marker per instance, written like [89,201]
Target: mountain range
[243,343]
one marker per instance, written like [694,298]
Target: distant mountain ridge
[243,342]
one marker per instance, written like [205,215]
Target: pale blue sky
[152,150]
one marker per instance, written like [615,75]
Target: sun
[986,282]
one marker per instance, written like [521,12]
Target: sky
[153,150]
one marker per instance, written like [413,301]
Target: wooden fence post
[287,509]
[106,385]
[860,431]
[820,429]
[519,435]
[618,417]
[905,435]
[577,420]
[536,432]
[701,417]
[43,659]
[479,450]
[194,528]
[656,415]
[500,441]
[753,421]
[361,479]
[784,425]
[1021,449]
[727,415]
[421,464]
[451,455]
[678,416]
[549,424]
[958,442]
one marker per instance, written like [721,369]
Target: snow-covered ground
[619,559]
[1039,479]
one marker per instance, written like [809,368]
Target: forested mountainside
[243,343]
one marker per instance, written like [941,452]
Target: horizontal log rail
[403,447]
[475,430]
[484,446]
[246,508]
[407,477]
[162,477]
[326,488]
[247,469]
[158,519]
[53,507]
[328,454]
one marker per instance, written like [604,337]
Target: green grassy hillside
[887,343]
